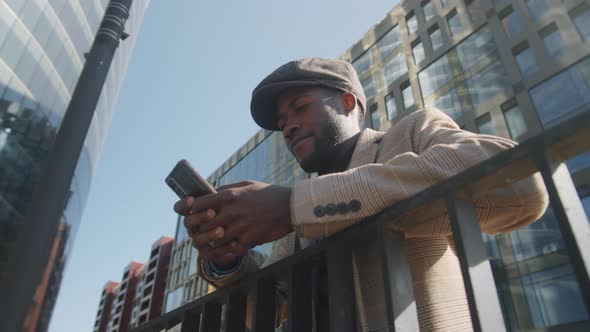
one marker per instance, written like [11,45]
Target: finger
[203,238]
[220,219]
[199,218]
[234,185]
[231,232]
[184,205]
[212,201]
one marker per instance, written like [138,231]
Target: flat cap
[331,73]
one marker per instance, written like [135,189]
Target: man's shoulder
[420,118]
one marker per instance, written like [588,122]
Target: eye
[302,107]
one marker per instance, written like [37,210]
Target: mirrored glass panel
[390,106]
[418,52]
[526,61]
[537,8]
[363,63]
[455,25]
[408,96]
[562,94]
[389,42]
[515,122]
[394,69]
[485,125]
[411,23]
[436,39]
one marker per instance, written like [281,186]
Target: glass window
[375,118]
[449,104]
[554,296]
[455,25]
[363,63]
[537,8]
[369,87]
[411,23]
[418,51]
[474,8]
[435,76]
[390,106]
[563,94]
[395,68]
[487,84]
[515,121]
[407,96]
[485,125]
[436,38]
[512,24]
[475,48]
[553,41]
[526,61]
[579,163]
[428,10]
[389,42]
[174,299]
[581,18]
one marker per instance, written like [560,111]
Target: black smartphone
[185,181]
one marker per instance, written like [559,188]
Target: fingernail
[211,213]
[219,232]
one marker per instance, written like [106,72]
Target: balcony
[544,153]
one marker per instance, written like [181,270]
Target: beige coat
[420,150]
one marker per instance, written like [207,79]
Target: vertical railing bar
[211,317]
[484,305]
[571,218]
[397,278]
[340,289]
[236,310]
[264,310]
[299,316]
[190,321]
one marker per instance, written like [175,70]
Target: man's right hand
[222,256]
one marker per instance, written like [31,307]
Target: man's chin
[309,165]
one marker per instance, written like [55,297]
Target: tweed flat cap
[331,73]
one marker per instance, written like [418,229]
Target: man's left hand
[251,212]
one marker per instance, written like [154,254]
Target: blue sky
[187,95]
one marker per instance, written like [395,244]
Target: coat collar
[366,148]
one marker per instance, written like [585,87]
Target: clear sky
[187,95]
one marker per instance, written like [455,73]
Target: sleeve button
[354,205]
[342,208]
[331,209]
[319,211]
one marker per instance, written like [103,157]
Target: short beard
[332,134]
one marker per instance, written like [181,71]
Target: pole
[30,252]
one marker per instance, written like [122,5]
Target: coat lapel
[366,148]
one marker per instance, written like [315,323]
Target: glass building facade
[42,46]
[507,68]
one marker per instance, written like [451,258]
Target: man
[318,105]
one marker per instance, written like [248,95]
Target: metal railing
[544,152]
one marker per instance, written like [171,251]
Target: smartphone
[185,181]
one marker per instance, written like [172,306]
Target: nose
[290,128]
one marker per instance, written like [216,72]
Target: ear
[349,102]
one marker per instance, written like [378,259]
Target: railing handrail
[562,141]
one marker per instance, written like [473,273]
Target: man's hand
[237,218]
[222,256]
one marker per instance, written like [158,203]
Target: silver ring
[212,244]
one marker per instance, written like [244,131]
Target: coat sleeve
[440,150]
